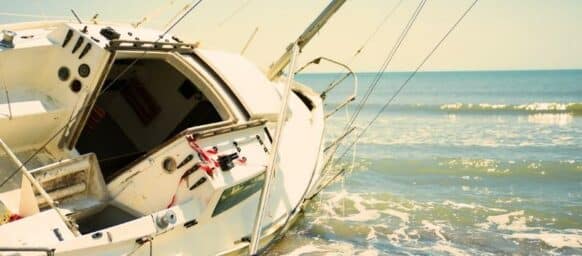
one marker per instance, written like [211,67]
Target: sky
[496,35]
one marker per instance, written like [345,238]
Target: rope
[433,50]
[105,88]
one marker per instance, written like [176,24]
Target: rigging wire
[378,27]
[242,52]
[42,13]
[235,12]
[181,17]
[387,61]
[153,14]
[105,88]
[397,92]
[380,73]
[370,37]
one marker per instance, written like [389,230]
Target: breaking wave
[486,108]
[542,107]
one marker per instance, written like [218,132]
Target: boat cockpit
[144,106]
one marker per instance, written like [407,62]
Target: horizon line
[458,70]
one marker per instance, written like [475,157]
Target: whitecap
[556,240]
[310,248]
[438,230]
[513,221]
[401,215]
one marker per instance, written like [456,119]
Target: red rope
[14,217]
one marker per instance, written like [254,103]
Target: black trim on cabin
[268,134]
[221,81]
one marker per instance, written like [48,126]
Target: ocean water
[462,163]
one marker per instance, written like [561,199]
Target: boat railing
[47,251]
[350,98]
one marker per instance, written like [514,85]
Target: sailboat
[117,140]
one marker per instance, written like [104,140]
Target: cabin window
[141,107]
[238,193]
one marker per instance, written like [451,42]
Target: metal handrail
[118,45]
[335,83]
[48,251]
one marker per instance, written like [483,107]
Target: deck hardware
[109,33]
[84,69]
[225,161]
[242,160]
[244,239]
[58,234]
[27,36]
[190,223]
[109,237]
[64,73]
[165,220]
[149,45]
[129,33]
[259,139]
[143,240]
[238,149]
[78,44]
[190,171]
[68,37]
[85,50]
[76,86]
[7,39]
[268,134]
[169,164]
[95,39]
[185,161]
[198,183]
[84,30]
[177,39]
[97,235]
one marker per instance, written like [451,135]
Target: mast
[304,38]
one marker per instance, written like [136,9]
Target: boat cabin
[127,126]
